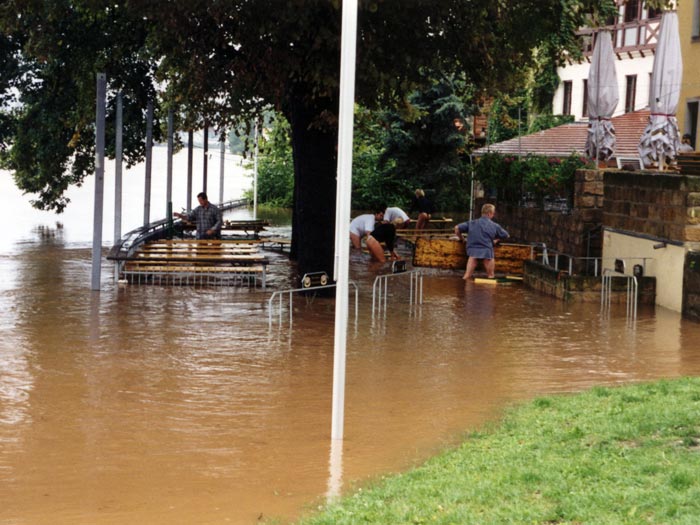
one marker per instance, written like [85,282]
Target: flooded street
[179,405]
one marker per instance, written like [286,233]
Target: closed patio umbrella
[603,95]
[660,139]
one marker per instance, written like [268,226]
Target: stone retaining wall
[666,206]
[579,288]
[574,233]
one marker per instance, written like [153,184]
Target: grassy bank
[627,455]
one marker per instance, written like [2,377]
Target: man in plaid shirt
[206,216]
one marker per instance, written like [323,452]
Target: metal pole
[169,175]
[255,174]
[149,164]
[221,167]
[520,147]
[206,158]
[118,157]
[190,150]
[342,227]
[169,172]
[101,88]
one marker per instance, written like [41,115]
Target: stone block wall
[568,233]
[580,288]
[661,205]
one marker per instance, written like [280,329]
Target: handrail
[380,285]
[598,262]
[280,293]
[632,292]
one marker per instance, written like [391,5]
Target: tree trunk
[314,142]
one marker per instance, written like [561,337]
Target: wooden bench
[440,223]
[192,274]
[192,260]
[689,163]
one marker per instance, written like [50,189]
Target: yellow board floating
[483,280]
[500,280]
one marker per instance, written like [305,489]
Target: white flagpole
[342,216]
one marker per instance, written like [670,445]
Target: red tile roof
[566,139]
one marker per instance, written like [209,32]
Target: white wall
[666,264]
[578,72]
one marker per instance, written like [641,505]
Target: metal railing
[380,290]
[592,266]
[632,292]
[281,293]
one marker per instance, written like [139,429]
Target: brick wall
[666,206]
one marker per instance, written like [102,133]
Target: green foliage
[427,150]
[624,458]
[374,180]
[276,167]
[546,121]
[537,175]
[507,118]
[52,52]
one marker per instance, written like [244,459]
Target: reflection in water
[335,471]
[147,404]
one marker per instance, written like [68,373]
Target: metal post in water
[101,103]
[190,149]
[255,174]
[206,158]
[118,157]
[221,167]
[169,175]
[342,227]
[149,164]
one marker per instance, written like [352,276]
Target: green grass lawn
[628,455]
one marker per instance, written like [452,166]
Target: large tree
[221,62]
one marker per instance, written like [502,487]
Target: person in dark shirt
[424,208]
[384,232]
[206,217]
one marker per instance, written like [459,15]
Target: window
[632,10]
[584,111]
[692,122]
[630,93]
[654,12]
[566,108]
[695,32]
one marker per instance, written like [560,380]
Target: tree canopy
[222,61]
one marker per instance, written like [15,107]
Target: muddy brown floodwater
[179,405]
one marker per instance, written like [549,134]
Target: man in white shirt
[364,225]
[394,213]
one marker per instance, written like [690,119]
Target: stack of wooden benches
[689,163]
[190,261]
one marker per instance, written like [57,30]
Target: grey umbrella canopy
[660,139]
[603,96]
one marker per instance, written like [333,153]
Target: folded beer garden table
[194,260]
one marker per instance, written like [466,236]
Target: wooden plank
[194,249]
[689,163]
[213,242]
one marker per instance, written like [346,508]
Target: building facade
[689,29]
[634,35]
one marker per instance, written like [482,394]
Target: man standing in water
[206,216]
[483,233]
